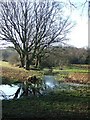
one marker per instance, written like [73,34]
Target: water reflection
[48,84]
[51,83]
[8,91]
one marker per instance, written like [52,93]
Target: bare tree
[16,27]
[51,26]
[33,26]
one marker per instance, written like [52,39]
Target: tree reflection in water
[34,87]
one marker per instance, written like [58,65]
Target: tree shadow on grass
[5,80]
[53,106]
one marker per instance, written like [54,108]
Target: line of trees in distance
[53,57]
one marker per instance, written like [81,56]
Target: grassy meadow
[57,105]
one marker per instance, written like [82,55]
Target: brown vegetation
[15,73]
[78,78]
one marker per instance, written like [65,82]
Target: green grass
[78,74]
[59,104]
[77,70]
[71,70]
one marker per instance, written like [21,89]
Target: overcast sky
[79,14]
[79,35]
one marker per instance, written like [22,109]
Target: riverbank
[57,105]
[10,74]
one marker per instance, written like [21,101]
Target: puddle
[49,83]
[8,91]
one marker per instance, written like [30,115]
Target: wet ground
[49,84]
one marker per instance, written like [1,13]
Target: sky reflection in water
[49,83]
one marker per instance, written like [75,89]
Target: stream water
[8,91]
[49,84]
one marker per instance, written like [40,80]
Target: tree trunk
[22,63]
[27,63]
[22,60]
[37,62]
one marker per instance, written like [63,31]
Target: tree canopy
[33,26]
